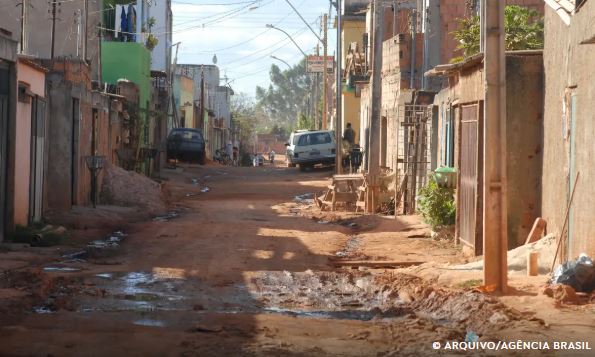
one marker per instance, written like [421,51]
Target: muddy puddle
[306,294]
[338,295]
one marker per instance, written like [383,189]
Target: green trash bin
[446,177]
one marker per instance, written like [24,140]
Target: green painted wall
[131,61]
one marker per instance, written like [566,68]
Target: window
[314,139]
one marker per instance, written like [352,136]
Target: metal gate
[470,191]
[413,151]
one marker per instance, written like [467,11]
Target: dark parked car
[186,144]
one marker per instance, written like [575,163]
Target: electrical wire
[253,38]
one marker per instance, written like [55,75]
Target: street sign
[315,64]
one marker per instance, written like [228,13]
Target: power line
[253,38]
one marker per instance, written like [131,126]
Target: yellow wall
[351,113]
[353,31]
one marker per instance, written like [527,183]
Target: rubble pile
[128,188]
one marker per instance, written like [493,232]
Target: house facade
[459,136]
[569,124]
[8,98]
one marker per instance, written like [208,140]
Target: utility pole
[54,3]
[316,90]
[202,98]
[413,48]
[78,21]
[374,154]
[24,26]
[339,93]
[85,43]
[325,74]
[495,233]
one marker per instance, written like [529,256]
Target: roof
[564,8]
[30,61]
[445,70]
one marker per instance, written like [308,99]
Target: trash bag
[580,274]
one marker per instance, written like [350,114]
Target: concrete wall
[524,135]
[568,132]
[39,29]
[70,141]
[161,54]
[184,97]
[34,79]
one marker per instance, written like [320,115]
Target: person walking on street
[348,144]
[349,135]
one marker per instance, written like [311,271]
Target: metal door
[37,155]
[469,202]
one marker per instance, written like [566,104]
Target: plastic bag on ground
[580,274]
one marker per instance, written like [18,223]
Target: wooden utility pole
[339,93]
[495,233]
[325,74]
[374,149]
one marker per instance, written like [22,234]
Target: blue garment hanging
[131,23]
[123,25]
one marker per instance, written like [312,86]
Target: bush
[436,204]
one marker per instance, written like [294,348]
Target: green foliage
[436,204]
[151,21]
[279,130]
[305,122]
[152,42]
[288,95]
[524,31]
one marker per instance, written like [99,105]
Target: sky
[235,31]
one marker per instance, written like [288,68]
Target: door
[37,156]
[4,93]
[470,190]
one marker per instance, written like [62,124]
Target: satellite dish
[214,59]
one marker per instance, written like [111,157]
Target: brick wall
[453,10]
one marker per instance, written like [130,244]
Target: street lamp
[291,38]
[279,59]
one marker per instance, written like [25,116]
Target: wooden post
[374,154]
[339,93]
[495,234]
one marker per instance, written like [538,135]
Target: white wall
[161,55]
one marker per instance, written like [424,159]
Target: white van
[310,147]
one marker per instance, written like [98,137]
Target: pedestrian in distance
[349,135]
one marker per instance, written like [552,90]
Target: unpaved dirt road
[247,269]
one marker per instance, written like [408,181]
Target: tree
[287,97]
[305,122]
[524,31]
